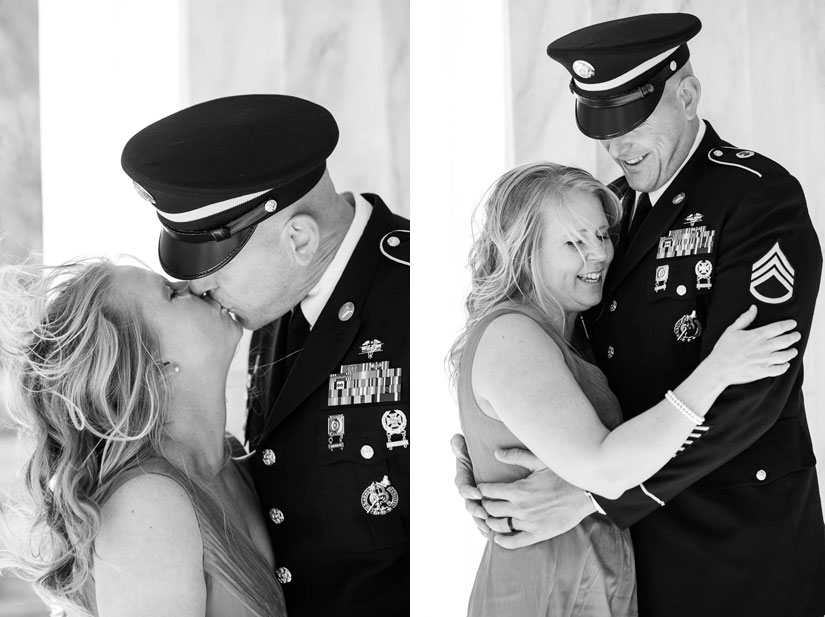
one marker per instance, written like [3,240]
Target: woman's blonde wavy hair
[82,375]
[505,258]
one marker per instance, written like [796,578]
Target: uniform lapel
[663,215]
[331,338]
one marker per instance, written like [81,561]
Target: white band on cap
[210,209]
[630,75]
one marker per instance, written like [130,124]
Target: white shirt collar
[654,196]
[314,302]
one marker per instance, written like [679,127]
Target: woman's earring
[172,366]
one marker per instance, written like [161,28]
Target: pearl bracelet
[682,408]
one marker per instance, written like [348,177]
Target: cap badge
[144,193]
[379,498]
[583,69]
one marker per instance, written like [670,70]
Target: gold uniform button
[268,457]
[681,290]
[610,352]
[393,241]
[367,452]
[283,574]
[613,306]
[276,516]
[761,475]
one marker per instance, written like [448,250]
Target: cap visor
[190,260]
[610,122]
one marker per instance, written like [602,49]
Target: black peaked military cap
[619,68]
[215,170]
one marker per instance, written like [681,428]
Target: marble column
[20,198]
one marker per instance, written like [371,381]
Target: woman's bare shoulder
[148,508]
[149,551]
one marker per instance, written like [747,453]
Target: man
[252,219]
[733,524]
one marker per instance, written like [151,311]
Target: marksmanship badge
[772,277]
[335,430]
[703,270]
[379,498]
[395,423]
[661,278]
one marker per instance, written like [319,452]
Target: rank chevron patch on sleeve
[772,277]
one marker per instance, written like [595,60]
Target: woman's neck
[196,432]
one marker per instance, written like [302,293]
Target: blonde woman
[523,380]
[137,506]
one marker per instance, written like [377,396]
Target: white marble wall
[20,218]
[352,56]
[762,68]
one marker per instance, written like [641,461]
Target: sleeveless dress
[222,599]
[588,571]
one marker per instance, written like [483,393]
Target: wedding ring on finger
[510,524]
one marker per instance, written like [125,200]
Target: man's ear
[689,92]
[302,236]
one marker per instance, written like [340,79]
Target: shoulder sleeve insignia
[395,246]
[733,157]
[772,277]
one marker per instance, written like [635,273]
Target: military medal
[379,498]
[661,278]
[687,328]
[395,423]
[703,270]
[370,347]
[363,383]
[335,430]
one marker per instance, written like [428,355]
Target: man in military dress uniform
[733,524]
[250,217]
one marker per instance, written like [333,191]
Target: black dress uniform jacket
[338,559]
[733,524]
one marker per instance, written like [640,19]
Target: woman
[137,506]
[523,381]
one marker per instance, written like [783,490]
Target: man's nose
[199,287]
[615,146]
